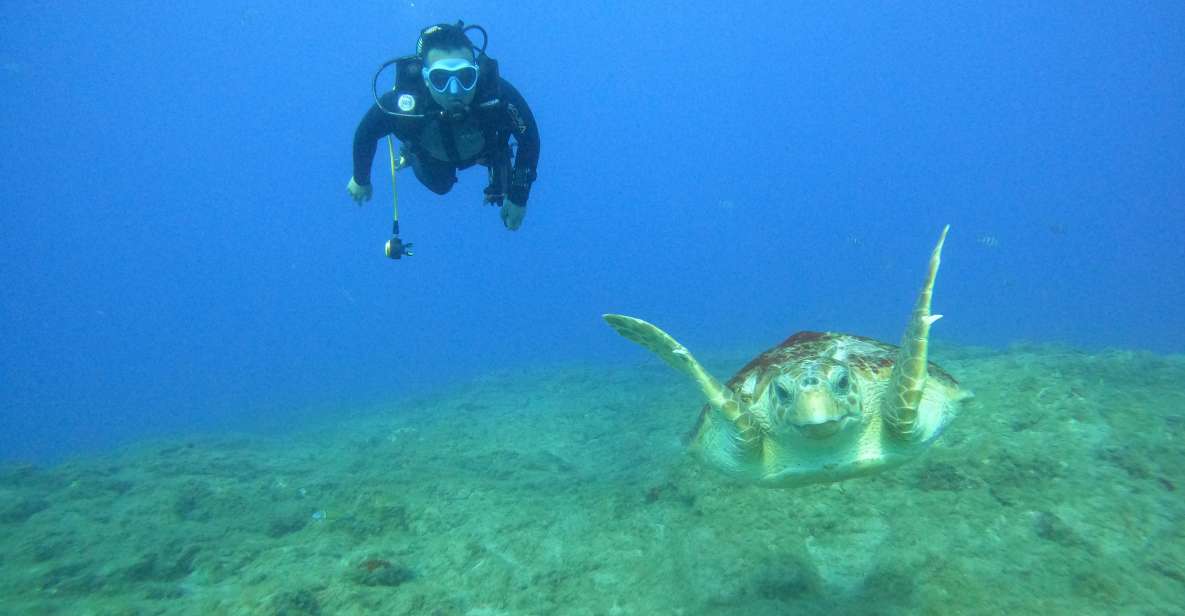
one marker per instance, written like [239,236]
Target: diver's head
[450,66]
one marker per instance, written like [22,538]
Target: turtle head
[815,400]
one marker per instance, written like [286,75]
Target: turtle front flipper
[909,372]
[678,357]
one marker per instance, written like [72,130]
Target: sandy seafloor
[566,490]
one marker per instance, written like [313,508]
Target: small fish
[988,241]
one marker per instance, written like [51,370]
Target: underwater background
[218,396]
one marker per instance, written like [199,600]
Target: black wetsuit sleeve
[526,136]
[375,125]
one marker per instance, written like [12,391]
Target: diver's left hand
[513,214]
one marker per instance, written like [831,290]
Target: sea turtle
[819,407]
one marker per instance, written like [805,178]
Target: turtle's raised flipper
[909,372]
[662,344]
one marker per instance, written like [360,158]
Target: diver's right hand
[360,192]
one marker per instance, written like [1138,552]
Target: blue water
[179,252]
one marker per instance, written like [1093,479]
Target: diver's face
[454,97]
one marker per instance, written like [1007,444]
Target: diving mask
[451,75]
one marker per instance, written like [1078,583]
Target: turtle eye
[842,384]
[781,392]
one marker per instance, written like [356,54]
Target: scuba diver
[450,110]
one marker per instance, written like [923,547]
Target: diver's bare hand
[360,192]
[513,214]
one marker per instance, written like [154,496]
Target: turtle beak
[816,414]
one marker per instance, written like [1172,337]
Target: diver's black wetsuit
[439,147]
